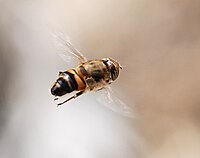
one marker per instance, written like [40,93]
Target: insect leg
[72,97]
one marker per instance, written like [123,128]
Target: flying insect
[89,75]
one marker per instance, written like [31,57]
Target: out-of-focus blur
[158,44]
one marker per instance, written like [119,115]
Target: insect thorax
[96,74]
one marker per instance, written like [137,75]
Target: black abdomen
[66,83]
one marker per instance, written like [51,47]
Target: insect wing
[66,50]
[111,101]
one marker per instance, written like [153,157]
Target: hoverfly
[89,75]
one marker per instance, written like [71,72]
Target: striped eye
[112,67]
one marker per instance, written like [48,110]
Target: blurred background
[158,44]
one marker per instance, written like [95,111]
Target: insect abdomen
[77,78]
[70,81]
[64,84]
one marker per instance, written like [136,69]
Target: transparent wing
[109,99]
[66,50]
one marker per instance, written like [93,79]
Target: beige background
[158,44]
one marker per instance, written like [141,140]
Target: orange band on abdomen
[80,82]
